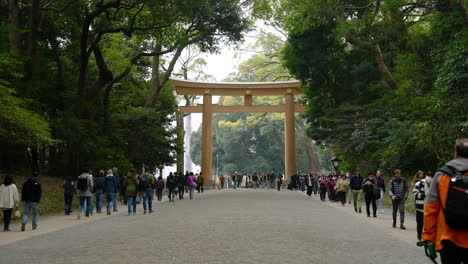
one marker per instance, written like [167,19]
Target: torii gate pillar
[207,138]
[289,136]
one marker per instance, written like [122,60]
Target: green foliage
[354,106]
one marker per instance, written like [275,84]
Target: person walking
[355,184]
[98,186]
[85,187]
[146,184]
[171,183]
[381,184]
[331,183]
[115,196]
[160,188]
[323,188]
[131,185]
[69,192]
[201,181]
[315,183]
[181,183]
[9,200]
[309,183]
[368,186]
[191,183]
[31,194]
[279,181]
[111,187]
[398,191]
[342,187]
[444,225]
[420,191]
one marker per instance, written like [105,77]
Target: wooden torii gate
[248,90]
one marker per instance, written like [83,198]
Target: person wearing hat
[356,188]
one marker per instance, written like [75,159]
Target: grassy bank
[52,194]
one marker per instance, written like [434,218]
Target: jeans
[7,218]
[99,198]
[181,190]
[115,199]
[342,197]
[419,222]
[131,204]
[381,200]
[191,192]
[451,254]
[148,198]
[399,205]
[91,204]
[357,199]
[370,198]
[171,194]
[159,192]
[87,200]
[323,191]
[109,200]
[68,204]
[27,210]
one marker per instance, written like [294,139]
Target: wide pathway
[233,226]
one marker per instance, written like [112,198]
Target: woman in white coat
[9,199]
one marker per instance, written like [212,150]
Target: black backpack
[456,205]
[144,182]
[82,184]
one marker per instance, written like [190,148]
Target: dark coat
[110,184]
[69,189]
[356,182]
[31,191]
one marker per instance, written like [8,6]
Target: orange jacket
[435,228]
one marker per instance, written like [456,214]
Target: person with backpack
[398,191]
[171,183]
[146,184]
[99,190]
[201,181]
[110,188]
[191,183]
[181,183]
[369,188]
[160,188]
[445,214]
[9,200]
[85,187]
[69,191]
[31,194]
[131,185]
[420,190]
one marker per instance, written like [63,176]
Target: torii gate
[248,90]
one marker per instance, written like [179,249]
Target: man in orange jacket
[451,243]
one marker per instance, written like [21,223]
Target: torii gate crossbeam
[248,90]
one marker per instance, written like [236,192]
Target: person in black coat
[181,183]
[69,191]
[368,188]
[31,194]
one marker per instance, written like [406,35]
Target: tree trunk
[180,142]
[33,37]
[15,23]
[313,157]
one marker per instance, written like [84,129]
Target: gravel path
[232,226]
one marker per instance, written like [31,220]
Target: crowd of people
[255,180]
[441,201]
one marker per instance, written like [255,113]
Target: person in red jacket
[452,243]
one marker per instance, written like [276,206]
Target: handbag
[376,192]
[17,213]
